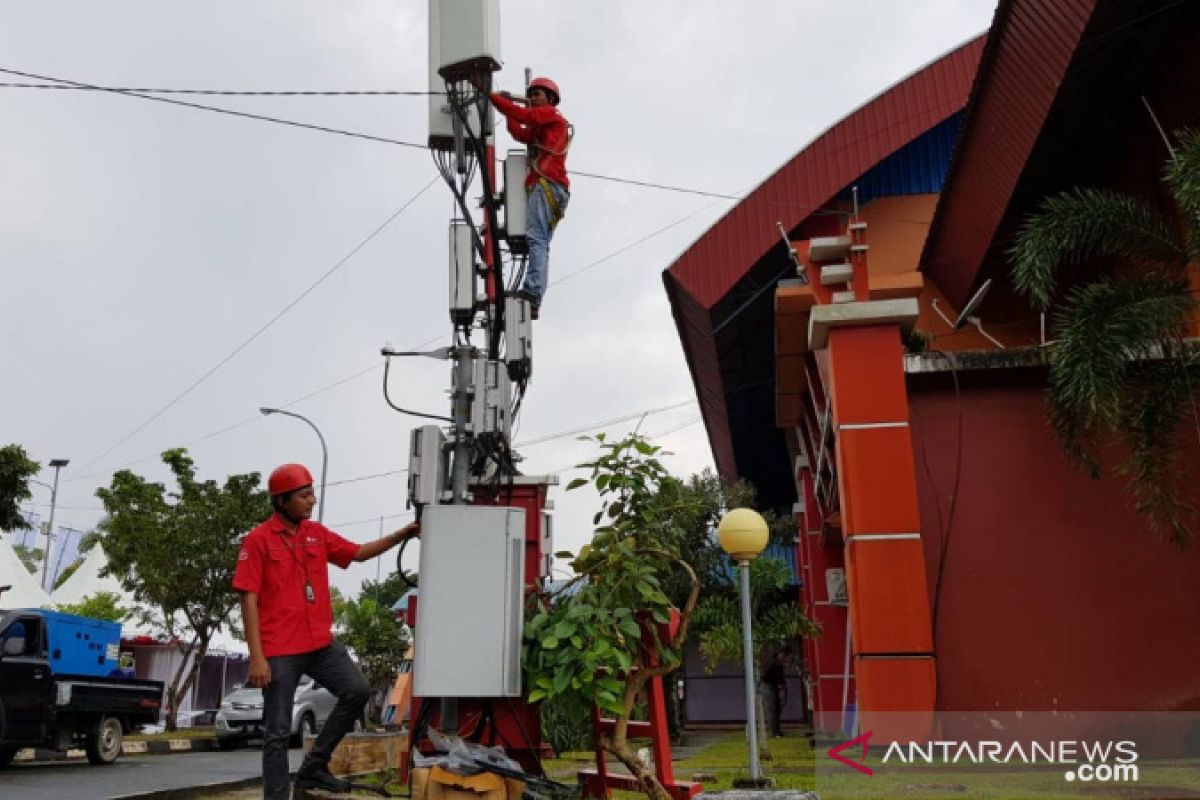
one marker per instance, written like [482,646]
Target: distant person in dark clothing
[775,680]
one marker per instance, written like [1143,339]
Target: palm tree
[1122,369]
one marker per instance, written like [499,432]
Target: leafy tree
[1120,368]
[775,616]
[370,629]
[16,468]
[31,557]
[386,592]
[599,641]
[176,553]
[102,605]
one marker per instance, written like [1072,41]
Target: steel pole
[748,658]
[50,528]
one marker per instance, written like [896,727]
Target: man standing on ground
[775,679]
[547,133]
[282,575]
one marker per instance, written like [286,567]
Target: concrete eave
[824,318]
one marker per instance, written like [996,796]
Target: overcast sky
[142,243]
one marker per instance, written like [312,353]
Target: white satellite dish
[972,305]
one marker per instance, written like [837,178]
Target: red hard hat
[289,478]
[549,85]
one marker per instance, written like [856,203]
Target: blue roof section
[780,551]
[919,167]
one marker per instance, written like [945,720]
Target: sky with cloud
[156,258]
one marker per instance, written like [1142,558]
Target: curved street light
[743,534]
[266,412]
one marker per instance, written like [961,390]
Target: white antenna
[791,251]
[1158,125]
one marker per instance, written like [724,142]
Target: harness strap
[556,211]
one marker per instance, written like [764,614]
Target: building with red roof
[981,570]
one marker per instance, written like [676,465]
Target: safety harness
[557,212]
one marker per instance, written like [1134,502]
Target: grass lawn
[792,766]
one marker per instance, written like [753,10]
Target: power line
[264,327]
[143,95]
[375,367]
[224,92]
[595,425]
[218,110]
[631,245]
[540,440]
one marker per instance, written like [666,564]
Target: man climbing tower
[548,134]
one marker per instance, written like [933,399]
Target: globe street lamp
[743,534]
[58,464]
[266,412]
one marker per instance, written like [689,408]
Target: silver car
[241,716]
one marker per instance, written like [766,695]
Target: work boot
[533,299]
[310,777]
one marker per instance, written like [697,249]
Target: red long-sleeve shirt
[543,127]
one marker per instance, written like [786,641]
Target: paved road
[130,775]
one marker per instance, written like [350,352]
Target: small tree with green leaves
[370,629]
[176,553]
[600,640]
[16,468]
[776,618]
[1120,366]
[102,605]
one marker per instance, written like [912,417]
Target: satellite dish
[972,305]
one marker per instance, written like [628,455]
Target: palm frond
[1105,327]
[1158,401]
[1183,179]
[1083,223]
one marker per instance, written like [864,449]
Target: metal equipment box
[468,633]
[441,117]
[468,36]
[426,465]
[516,201]
[82,646]
[491,406]
[462,271]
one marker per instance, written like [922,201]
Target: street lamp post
[58,464]
[266,412]
[743,534]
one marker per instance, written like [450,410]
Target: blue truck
[61,686]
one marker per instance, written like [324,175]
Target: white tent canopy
[25,591]
[86,582]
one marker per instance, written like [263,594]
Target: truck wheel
[104,741]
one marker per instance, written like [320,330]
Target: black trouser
[332,667]
[776,696]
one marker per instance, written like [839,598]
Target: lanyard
[309,594]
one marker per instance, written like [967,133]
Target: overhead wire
[218,110]
[741,197]
[223,92]
[372,368]
[263,328]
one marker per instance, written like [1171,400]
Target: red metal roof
[1030,47]
[710,267]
